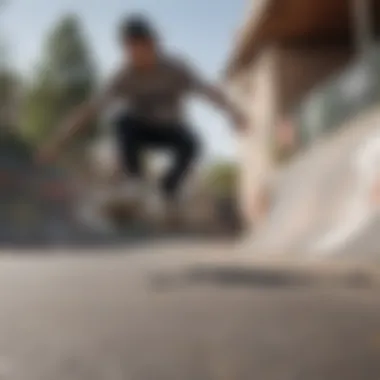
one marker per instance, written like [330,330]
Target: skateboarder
[153,84]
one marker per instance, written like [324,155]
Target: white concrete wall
[255,89]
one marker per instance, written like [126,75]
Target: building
[283,52]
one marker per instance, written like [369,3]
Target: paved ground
[175,315]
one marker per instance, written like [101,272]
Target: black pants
[135,136]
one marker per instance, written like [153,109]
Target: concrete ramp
[325,201]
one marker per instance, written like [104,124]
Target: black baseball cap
[137,27]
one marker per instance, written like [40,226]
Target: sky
[202,30]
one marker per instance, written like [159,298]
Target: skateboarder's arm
[215,95]
[81,117]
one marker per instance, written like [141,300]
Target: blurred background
[54,57]
[303,178]
[274,273]
[308,74]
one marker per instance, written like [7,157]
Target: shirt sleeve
[194,79]
[198,84]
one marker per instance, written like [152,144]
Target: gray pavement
[195,313]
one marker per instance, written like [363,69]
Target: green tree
[3,54]
[65,77]
[8,85]
[9,88]
[11,143]
[7,78]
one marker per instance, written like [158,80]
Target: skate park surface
[200,310]
[279,306]
[173,314]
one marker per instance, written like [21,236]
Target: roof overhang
[276,21]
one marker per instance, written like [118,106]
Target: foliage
[65,77]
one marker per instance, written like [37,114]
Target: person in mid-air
[154,85]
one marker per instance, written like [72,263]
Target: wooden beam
[320,40]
